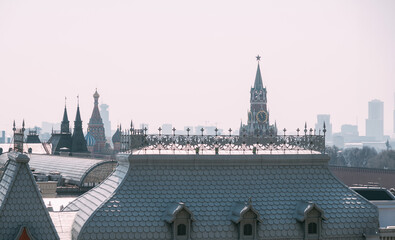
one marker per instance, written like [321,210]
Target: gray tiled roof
[21,204]
[91,200]
[73,169]
[211,186]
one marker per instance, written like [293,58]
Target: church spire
[78,116]
[258,77]
[96,127]
[78,140]
[64,128]
[96,118]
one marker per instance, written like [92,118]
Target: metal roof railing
[139,140]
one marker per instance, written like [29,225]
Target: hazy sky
[193,62]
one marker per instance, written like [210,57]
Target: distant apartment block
[167,128]
[2,137]
[321,119]
[106,119]
[350,133]
[375,121]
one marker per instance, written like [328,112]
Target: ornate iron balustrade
[139,140]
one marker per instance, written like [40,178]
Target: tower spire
[258,77]
[78,115]
[64,128]
[78,140]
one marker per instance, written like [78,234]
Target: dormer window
[310,216]
[181,230]
[247,230]
[180,219]
[246,218]
[312,228]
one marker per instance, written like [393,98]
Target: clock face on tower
[261,116]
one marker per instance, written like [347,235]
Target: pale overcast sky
[192,62]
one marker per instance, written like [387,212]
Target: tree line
[366,157]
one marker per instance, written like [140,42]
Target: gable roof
[239,209]
[303,208]
[21,203]
[173,209]
[209,186]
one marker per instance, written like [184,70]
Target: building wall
[47,189]
[353,176]
[386,213]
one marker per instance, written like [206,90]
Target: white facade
[386,213]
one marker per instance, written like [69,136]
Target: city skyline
[188,64]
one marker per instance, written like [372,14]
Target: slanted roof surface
[73,169]
[21,204]
[133,208]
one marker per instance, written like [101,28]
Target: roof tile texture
[136,207]
[21,204]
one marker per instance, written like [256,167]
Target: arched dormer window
[247,229]
[246,219]
[181,229]
[310,216]
[180,219]
[312,228]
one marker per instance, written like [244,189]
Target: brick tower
[258,116]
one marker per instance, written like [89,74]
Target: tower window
[247,230]
[181,230]
[312,228]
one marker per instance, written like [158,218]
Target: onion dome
[96,94]
[90,140]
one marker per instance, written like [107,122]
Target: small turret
[78,139]
[65,126]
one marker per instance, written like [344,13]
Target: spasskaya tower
[258,116]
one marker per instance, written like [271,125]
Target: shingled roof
[130,204]
[22,210]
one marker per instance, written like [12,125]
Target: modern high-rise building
[106,119]
[2,137]
[321,119]
[375,121]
